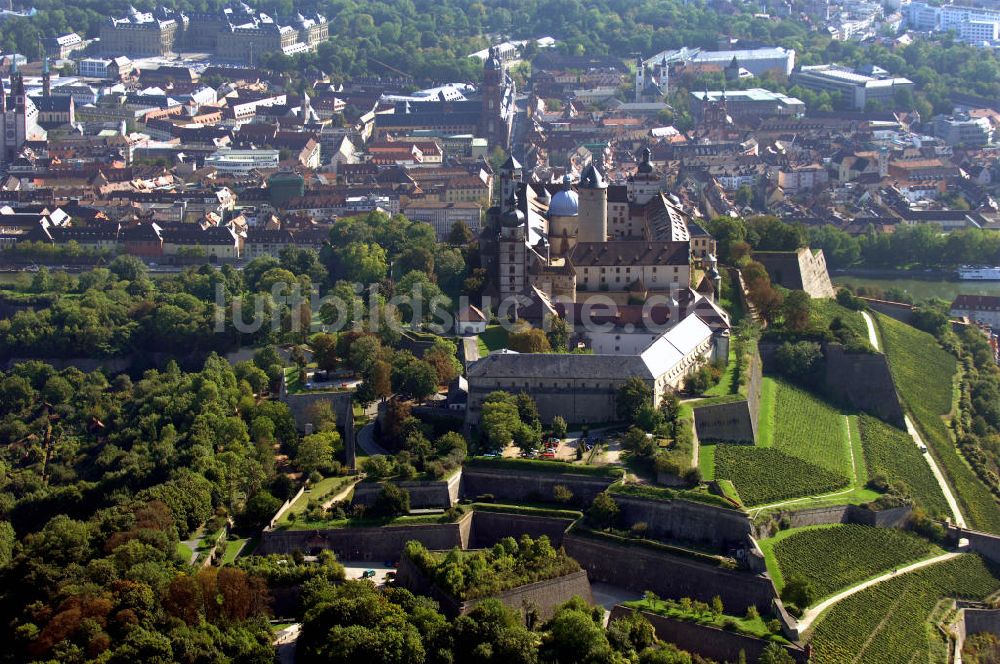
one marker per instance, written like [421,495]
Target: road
[872,336]
[366,440]
[956,513]
[284,643]
[938,475]
[810,615]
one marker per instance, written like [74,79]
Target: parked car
[368,574]
[548,455]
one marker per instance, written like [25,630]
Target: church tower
[645,183]
[497,111]
[512,250]
[46,78]
[593,221]
[510,177]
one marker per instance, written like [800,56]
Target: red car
[549,455]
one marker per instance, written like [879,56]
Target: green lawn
[320,491]
[923,373]
[706,461]
[766,414]
[888,623]
[822,311]
[728,383]
[838,556]
[233,547]
[493,338]
[184,551]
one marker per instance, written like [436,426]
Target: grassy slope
[887,623]
[923,374]
[890,452]
[809,428]
[840,556]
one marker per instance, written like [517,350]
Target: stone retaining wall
[528,486]
[710,642]
[863,381]
[542,596]
[817,516]
[422,494]
[488,528]
[637,568]
[685,521]
[985,544]
[378,544]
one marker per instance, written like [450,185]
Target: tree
[527,438]
[442,356]
[500,419]
[418,379]
[378,466]
[798,591]
[128,268]
[459,235]
[391,501]
[493,634]
[603,511]
[259,510]
[561,493]
[795,310]
[633,394]
[670,406]
[532,340]
[528,410]
[574,636]
[364,352]
[363,262]
[324,348]
[381,379]
[559,429]
[799,360]
[558,334]
[775,654]
[316,451]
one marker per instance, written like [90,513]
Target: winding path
[811,614]
[366,440]
[938,475]
[956,513]
[919,442]
[872,336]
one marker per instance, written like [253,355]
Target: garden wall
[384,543]
[710,642]
[686,521]
[637,568]
[528,486]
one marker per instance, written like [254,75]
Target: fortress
[235,33]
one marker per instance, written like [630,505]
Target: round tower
[564,219]
[593,208]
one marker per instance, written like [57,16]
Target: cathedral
[20,118]
[626,242]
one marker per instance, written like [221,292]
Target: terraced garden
[887,623]
[923,373]
[890,452]
[835,557]
[765,475]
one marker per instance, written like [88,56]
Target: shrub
[561,493]
[391,501]
[603,511]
